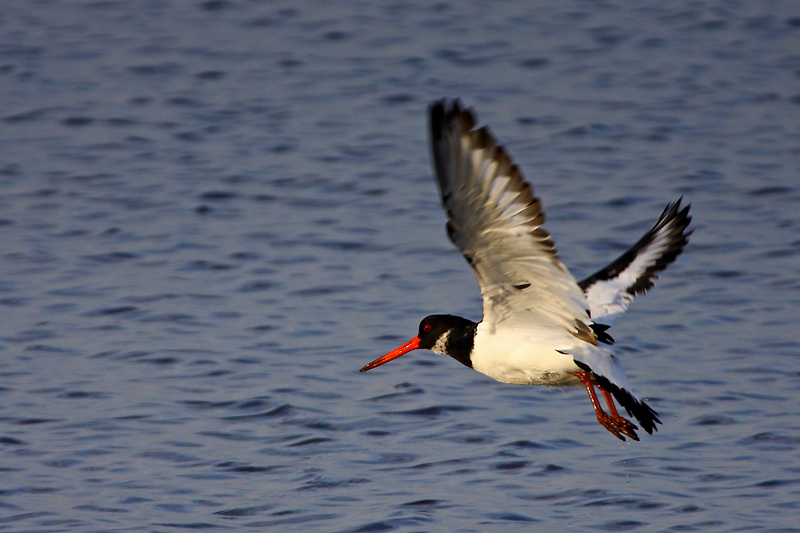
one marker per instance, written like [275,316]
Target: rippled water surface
[213,213]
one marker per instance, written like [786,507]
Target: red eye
[426,328]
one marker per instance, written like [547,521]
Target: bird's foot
[618,426]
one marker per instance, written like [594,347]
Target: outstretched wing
[611,290]
[496,222]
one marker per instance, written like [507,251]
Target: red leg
[626,426]
[614,422]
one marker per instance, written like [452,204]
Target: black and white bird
[540,325]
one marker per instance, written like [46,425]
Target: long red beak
[413,344]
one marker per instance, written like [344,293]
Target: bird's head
[434,333]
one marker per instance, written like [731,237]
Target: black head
[445,334]
[435,328]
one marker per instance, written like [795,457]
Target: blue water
[213,213]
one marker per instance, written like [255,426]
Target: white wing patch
[611,290]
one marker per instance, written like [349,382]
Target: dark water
[213,213]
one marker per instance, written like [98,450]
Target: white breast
[524,357]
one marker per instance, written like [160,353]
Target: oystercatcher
[540,325]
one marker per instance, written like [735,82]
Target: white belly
[524,357]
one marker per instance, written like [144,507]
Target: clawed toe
[629,428]
[611,425]
[619,426]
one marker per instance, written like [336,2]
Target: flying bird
[540,325]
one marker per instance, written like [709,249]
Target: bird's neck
[460,341]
